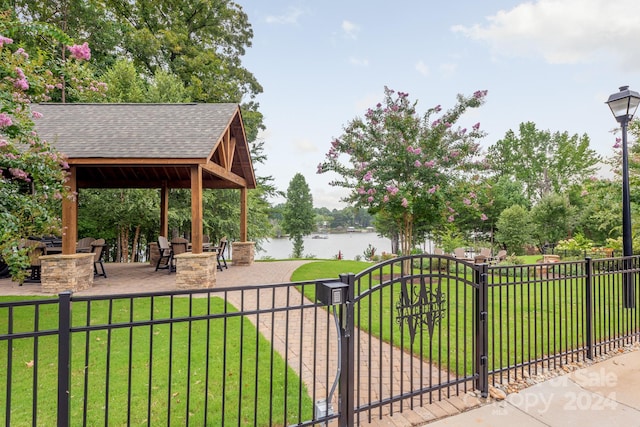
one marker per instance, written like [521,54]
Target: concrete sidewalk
[606,393]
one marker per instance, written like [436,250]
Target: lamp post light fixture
[623,106]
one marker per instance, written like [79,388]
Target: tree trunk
[134,247]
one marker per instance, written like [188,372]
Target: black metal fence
[400,334]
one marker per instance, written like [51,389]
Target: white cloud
[564,31]
[290,17]
[422,68]
[361,62]
[303,145]
[350,29]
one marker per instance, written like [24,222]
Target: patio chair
[97,248]
[485,252]
[178,246]
[500,256]
[222,262]
[461,254]
[84,244]
[35,250]
[164,261]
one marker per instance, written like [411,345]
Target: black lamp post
[623,106]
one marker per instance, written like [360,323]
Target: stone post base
[196,271]
[243,253]
[66,272]
[154,253]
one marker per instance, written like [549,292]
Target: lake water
[350,244]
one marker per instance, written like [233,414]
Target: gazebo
[163,146]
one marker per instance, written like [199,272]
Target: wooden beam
[196,209]
[243,214]
[164,210]
[219,171]
[70,215]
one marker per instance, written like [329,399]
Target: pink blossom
[463,131]
[480,94]
[36,114]
[617,144]
[368,176]
[5,40]
[22,84]
[476,126]
[451,218]
[3,143]
[5,120]
[447,125]
[417,150]
[483,217]
[21,51]
[417,163]
[410,149]
[473,195]
[429,164]
[361,191]
[435,123]
[451,210]
[319,169]
[432,189]
[11,156]
[80,51]
[370,199]
[64,165]
[20,174]
[405,202]
[385,198]
[438,108]
[57,195]
[393,190]
[466,201]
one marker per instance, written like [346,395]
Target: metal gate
[415,332]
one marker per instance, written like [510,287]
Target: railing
[405,332]
[234,356]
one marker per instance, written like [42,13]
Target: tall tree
[402,164]
[298,214]
[514,229]
[544,162]
[553,219]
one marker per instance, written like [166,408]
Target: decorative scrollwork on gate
[420,305]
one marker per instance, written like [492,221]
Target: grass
[199,372]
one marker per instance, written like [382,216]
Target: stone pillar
[195,271]
[66,272]
[154,253]
[243,253]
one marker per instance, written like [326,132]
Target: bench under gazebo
[192,146]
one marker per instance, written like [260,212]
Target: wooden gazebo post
[70,215]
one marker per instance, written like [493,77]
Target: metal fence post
[482,329]
[346,390]
[64,359]
[588,302]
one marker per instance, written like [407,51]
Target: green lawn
[176,372]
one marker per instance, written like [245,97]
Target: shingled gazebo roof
[150,145]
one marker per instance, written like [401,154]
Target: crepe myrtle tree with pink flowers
[403,165]
[32,172]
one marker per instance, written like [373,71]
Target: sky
[323,63]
